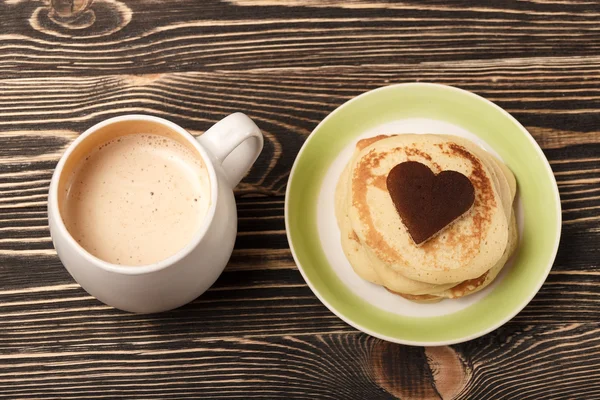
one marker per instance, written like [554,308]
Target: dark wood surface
[260,332]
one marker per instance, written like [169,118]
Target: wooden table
[260,332]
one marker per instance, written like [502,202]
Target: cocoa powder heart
[426,202]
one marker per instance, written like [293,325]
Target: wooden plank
[147,36]
[517,361]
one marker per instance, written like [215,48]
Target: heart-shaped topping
[426,202]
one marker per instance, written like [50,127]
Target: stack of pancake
[461,258]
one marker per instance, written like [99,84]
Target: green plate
[419,108]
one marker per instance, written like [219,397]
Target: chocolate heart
[426,202]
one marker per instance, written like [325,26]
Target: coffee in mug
[136,199]
[142,214]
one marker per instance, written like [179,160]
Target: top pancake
[464,250]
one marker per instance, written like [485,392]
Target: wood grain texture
[238,35]
[513,362]
[260,332]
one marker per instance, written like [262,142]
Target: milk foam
[137,199]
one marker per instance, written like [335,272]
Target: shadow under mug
[228,149]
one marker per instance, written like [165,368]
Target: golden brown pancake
[464,250]
[363,215]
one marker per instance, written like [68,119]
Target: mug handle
[234,142]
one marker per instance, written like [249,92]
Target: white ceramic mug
[229,148]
